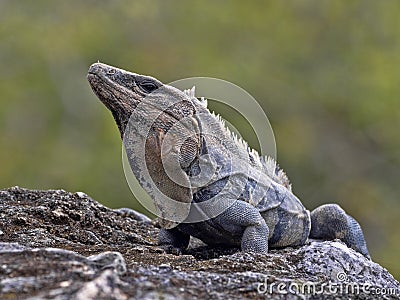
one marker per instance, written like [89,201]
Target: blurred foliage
[326,73]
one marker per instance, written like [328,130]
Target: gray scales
[204,181]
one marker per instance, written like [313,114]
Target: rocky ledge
[60,245]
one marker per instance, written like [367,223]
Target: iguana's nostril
[111,72]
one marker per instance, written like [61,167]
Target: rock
[60,245]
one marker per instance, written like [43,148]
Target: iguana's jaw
[118,90]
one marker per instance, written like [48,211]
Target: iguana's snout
[119,90]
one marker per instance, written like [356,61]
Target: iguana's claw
[169,249]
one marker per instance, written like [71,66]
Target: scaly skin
[223,192]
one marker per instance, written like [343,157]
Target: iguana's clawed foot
[169,249]
[173,241]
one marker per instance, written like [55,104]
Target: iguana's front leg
[330,221]
[173,240]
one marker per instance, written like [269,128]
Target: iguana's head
[122,91]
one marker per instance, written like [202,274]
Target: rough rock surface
[60,245]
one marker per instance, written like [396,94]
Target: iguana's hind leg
[243,215]
[330,222]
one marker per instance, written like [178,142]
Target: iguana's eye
[147,86]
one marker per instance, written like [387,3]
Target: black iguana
[204,181]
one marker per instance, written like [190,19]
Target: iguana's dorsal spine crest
[268,163]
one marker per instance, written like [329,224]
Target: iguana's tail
[330,222]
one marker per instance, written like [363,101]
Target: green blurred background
[327,73]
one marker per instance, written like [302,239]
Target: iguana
[205,181]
